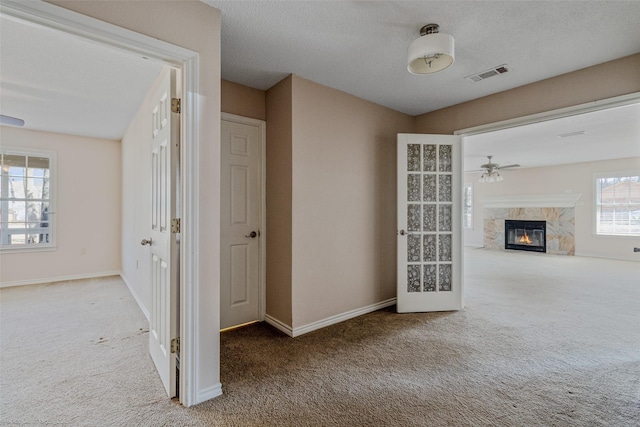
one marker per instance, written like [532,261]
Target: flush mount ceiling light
[432,52]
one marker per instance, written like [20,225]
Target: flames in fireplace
[525,239]
[525,235]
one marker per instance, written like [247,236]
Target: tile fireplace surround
[557,209]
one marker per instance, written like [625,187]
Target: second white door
[241,289]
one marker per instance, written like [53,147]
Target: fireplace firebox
[525,235]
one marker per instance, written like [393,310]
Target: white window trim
[469,184]
[53,192]
[596,196]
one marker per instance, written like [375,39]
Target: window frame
[596,202]
[52,214]
[464,193]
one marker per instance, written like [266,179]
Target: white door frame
[261,124]
[103,33]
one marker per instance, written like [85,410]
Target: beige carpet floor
[543,341]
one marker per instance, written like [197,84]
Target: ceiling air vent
[570,134]
[496,71]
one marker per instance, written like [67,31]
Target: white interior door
[163,243]
[429,223]
[241,289]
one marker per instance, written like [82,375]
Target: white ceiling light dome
[432,52]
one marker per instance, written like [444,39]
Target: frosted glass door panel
[429,223]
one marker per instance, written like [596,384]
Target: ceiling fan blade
[477,170]
[508,166]
[11,121]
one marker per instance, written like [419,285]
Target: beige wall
[343,202]
[331,214]
[279,206]
[87,209]
[196,26]
[599,82]
[344,220]
[574,178]
[243,100]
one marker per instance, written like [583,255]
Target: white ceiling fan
[490,171]
[490,166]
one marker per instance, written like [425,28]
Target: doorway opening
[557,153]
[112,37]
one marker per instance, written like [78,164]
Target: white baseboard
[601,256]
[58,279]
[136,297]
[286,329]
[208,393]
[296,332]
[342,317]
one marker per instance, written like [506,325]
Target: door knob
[252,235]
[402,232]
[146,242]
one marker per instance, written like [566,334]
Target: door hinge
[175,225]
[175,345]
[175,105]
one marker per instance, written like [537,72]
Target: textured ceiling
[360,47]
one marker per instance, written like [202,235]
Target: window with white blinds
[26,199]
[618,205]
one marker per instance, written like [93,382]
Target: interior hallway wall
[87,210]
[243,100]
[343,202]
[331,214]
[279,155]
[349,190]
[275,107]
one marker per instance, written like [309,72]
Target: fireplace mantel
[566,200]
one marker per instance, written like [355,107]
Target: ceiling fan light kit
[491,173]
[490,177]
[432,52]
